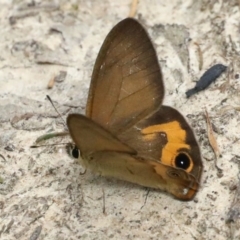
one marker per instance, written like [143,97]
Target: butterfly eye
[75,152]
[183,161]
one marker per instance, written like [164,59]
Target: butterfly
[127,133]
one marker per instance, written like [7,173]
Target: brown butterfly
[127,133]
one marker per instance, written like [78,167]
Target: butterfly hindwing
[166,136]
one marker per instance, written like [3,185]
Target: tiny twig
[104,206]
[234,212]
[3,158]
[84,172]
[148,191]
[133,8]
[200,55]
[212,141]
[51,82]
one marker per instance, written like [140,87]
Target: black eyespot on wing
[182,161]
[75,152]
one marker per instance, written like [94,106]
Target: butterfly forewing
[91,137]
[126,83]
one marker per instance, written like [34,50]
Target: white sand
[42,190]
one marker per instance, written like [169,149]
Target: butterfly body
[127,133]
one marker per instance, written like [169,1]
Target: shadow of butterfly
[127,133]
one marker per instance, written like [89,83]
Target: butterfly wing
[105,154]
[91,137]
[145,172]
[166,136]
[126,83]
[128,134]
[125,96]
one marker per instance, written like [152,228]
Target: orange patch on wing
[176,139]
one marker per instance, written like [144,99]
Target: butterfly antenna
[37,146]
[50,100]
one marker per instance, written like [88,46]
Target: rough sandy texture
[43,194]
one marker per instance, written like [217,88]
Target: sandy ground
[42,192]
